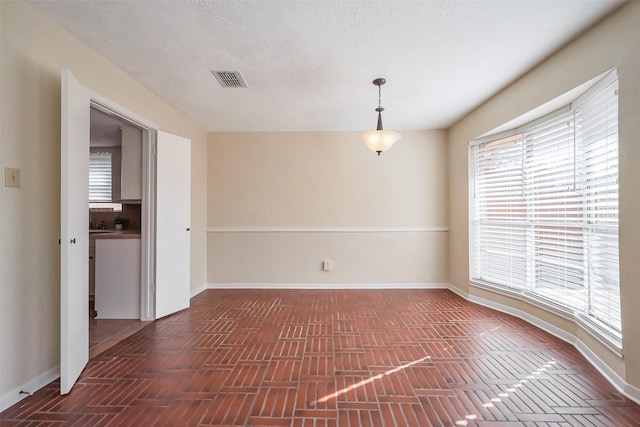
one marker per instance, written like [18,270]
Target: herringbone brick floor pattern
[334,358]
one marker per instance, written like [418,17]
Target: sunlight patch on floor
[370,380]
[504,395]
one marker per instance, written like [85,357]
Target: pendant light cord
[379,109]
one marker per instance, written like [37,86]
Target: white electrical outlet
[12,177]
[326,265]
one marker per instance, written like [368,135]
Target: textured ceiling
[309,64]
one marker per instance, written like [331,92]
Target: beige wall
[324,185]
[613,43]
[33,52]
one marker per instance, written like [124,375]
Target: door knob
[73,240]
[188,229]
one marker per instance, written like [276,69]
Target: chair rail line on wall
[327,229]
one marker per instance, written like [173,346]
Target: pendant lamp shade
[380,140]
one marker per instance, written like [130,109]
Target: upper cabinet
[131,164]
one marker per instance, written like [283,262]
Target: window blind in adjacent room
[100,177]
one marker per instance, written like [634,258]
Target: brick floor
[332,358]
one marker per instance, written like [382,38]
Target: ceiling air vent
[229,78]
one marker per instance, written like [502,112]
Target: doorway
[115,213]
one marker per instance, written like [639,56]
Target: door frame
[147,220]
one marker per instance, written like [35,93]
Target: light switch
[12,177]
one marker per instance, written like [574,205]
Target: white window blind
[597,136]
[100,177]
[499,223]
[544,210]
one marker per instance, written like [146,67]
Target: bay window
[544,209]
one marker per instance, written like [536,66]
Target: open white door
[173,213]
[74,237]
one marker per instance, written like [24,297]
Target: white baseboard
[632,392]
[326,286]
[197,290]
[618,382]
[12,397]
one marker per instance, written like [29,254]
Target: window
[544,209]
[100,177]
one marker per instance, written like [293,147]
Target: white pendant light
[380,140]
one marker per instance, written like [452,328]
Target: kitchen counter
[114,234]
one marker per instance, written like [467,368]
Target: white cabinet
[116,164]
[117,278]
[131,164]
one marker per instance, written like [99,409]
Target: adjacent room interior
[115,218]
